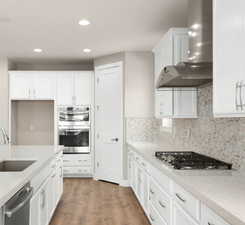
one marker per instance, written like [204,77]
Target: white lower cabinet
[180,217]
[39,214]
[160,200]
[154,216]
[164,201]
[47,195]
[77,165]
[210,218]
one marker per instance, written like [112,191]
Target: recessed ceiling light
[37,50]
[84,22]
[87,50]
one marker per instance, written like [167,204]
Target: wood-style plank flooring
[90,202]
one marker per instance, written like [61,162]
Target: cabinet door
[44,85]
[209,217]
[180,217]
[21,85]
[228,56]
[164,103]
[49,198]
[35,217]
[44,214]
[185,103]
[181,47]
[145,195]
[83,87]
[65,88]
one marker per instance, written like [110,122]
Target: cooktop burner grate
[191,160]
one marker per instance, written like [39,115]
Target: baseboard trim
[124,183]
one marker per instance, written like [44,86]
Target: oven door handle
[73,131]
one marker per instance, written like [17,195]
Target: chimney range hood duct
[198,69]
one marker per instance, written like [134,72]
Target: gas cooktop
[191,161]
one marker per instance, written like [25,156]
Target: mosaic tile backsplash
[222,138]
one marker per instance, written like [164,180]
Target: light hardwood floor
[90,202]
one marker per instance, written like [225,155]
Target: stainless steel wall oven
[74,129]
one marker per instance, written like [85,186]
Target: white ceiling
[116,25]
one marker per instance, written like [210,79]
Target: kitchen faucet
[5,137]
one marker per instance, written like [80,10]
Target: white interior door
[109,122]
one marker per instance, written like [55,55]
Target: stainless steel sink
[14,165]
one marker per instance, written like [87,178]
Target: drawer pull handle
[210,223]
[161,204]
[180,198]
[152,192]
[151,217]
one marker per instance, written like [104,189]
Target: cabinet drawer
[181,217]
[187,201]
[161,179]
[76,160]
[142,163]
[154,217]
[77,170]
[161,201]
[210,218]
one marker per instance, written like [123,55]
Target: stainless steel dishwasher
[17,209]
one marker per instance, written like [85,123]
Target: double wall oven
[74,129]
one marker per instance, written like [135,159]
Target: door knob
[115,139]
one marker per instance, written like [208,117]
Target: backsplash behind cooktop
[221,138]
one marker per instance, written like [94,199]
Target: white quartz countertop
[221,191]
[11,182]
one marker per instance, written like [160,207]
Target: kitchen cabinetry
[171,50]
[32,85]
[180,217]
[210,218]
[176,103]
[74,88]
[139,179]
[48,194]
[39,214]
[77,165]
[167,202]
[69,87]
[228,67]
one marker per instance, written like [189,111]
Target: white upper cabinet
[229,66]
[32,85]
[65,88]
[176,103]
[171,50]
[68,87]
[185,102]
[44,85]
[83,87]
[21,84]
[164,103]
[74,88]
[173,102]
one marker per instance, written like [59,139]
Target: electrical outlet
[187,133]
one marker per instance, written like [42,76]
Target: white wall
[139,84]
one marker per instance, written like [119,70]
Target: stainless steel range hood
[197,70]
